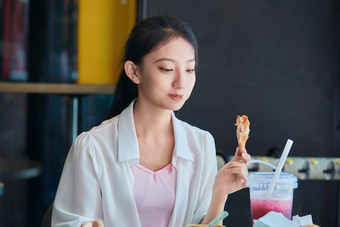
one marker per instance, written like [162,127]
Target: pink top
[154,194]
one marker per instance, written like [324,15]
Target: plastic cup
[281,200]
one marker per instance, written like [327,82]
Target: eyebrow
[172,60]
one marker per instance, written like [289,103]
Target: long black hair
[144,37]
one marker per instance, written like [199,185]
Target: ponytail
[126,92]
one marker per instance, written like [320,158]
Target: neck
[153,122]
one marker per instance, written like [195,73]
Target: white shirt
[97,181]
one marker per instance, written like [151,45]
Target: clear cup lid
[256,179]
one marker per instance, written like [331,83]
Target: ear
[131,71]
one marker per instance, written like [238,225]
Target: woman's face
[167,75]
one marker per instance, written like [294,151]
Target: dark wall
[276,62]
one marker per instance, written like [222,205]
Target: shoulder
[196,132]
[97,137]
[95,146]
[106,125]
[201,146]
[200,142]
[103,131]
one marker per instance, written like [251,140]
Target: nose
[180,80]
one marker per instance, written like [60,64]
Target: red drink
[263,199]
[260,207]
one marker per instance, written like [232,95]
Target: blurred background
[276,61]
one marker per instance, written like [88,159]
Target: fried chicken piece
[242,131]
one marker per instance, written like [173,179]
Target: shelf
[56,88]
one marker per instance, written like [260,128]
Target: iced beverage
[280,200]
[259,207]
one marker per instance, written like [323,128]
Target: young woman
[143,166]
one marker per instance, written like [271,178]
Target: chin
[176,107]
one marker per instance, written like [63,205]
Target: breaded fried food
[242,131]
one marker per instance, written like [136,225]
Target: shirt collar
[128,149]
[127,138]
[181,149]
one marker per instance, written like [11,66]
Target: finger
[246,157]
[98,223]
[239,170]
[227,167]
[235,170]
[238,155]
[235,163]
[242,155]
[244,183]
[233,166]
[237,152]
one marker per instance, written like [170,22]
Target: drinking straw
[280,166]
[220,217]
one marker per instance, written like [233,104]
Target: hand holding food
[231,177]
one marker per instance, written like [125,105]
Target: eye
[166,69]
[190,70]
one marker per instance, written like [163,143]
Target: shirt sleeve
[78,198]
[208,178]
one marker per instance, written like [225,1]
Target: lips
[177,97]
